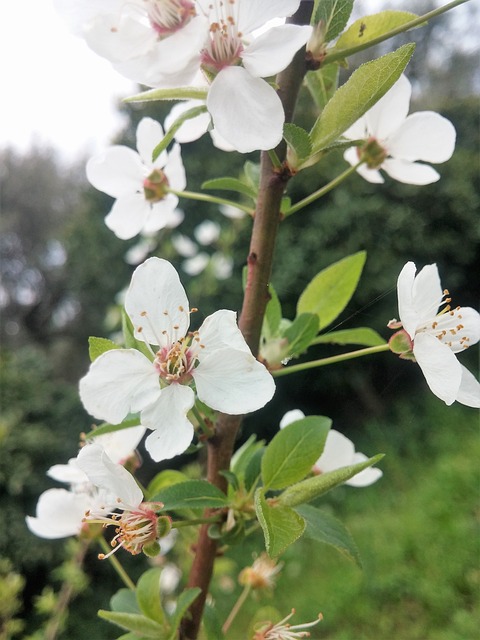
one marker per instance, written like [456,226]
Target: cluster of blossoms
[157,382]
[226,47]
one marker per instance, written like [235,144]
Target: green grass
[417,531]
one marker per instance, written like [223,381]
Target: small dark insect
[363,26]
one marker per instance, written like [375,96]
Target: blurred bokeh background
[62,273]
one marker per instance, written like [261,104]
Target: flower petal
[338,452]
[119,37]
[233,381]
[128,216]
[156,303]
[410,172]
[367,476]
[291,416]
[390,111]
[424,135]
[163,214]
[174,169]
[172,431]
[219,331]
[149,134]
[111,477]
[370,175]
[246,111]
[191,129]
[272,51]
[116,171]
[120,445]
[439,365]
[60,514]
[427,293]
[70,472]
[119,382]
[253,14]
[469,392]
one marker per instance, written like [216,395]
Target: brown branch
[259,263]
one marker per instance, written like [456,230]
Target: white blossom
[437,336]
[215,358]
[140,186]
[398,143]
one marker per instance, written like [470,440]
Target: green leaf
[135,622]
[299,143]
[312,488]
[273,315]
[124,600]
[230,184]
[370,27]
[193,494]
[253,470]
[252,174]
[322,84]
[148,595]
[362,90]
[165,479]
[361,335]
[211,624]
[185,599]
[323,527]
[293,451]
[281,525]
[105,427]
[178,93]
[97,346]
[334,14]
[301,333]
[170,134]
[329,292]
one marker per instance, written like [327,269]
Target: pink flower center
[168,16]
[225,43]
[176,363]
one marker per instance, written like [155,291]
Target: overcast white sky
[53,89]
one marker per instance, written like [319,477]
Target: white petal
[253,14]
[111,477]
[439,365]
[220,142]
[174,169]
[163,214]
[410,172]
[120,445]
[172,431]
[469,392]
[156,302]
[367,476]
[119,38]
[191,129]
[291,416]
[78,14]
[338,452]
[246,111]
[149,134]
[427,293]
[406,310]
[271,52]
[117,171]
[425,136]
[390,111]
[59,514]
[128,216]
[219,331]
[233,381]
[357,131]
[70,472]
[119,382]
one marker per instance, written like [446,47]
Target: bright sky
[53,89]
